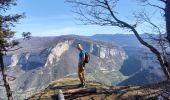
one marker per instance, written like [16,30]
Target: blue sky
[54,17]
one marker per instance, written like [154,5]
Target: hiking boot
[82,85]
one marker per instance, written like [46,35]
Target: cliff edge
[98,91]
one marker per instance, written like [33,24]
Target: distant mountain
[120,39]
[124,40]
[45,59]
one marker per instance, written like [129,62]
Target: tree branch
[94,16]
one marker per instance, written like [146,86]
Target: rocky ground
[103,92]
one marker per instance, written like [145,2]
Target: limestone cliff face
[36,66]
[48,56]
[43,57]
[57,51]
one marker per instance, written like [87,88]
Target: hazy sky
[54,17]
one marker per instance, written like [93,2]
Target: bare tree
[167,17]
[102,12]
[7,41]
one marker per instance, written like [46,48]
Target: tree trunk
[164,65]
[167,19]
[4,76]
[162,60]
[81,90]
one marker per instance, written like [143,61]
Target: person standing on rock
[81,65]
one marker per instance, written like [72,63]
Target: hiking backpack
[87,57]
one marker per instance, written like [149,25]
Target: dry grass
[103,92]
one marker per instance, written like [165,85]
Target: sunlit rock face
[57,51]
[44,59]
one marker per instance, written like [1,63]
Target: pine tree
[7,41]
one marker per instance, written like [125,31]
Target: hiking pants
[81,72]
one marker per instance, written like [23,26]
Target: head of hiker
[81,65]
[79,46]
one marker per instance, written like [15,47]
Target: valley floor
[103,92]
